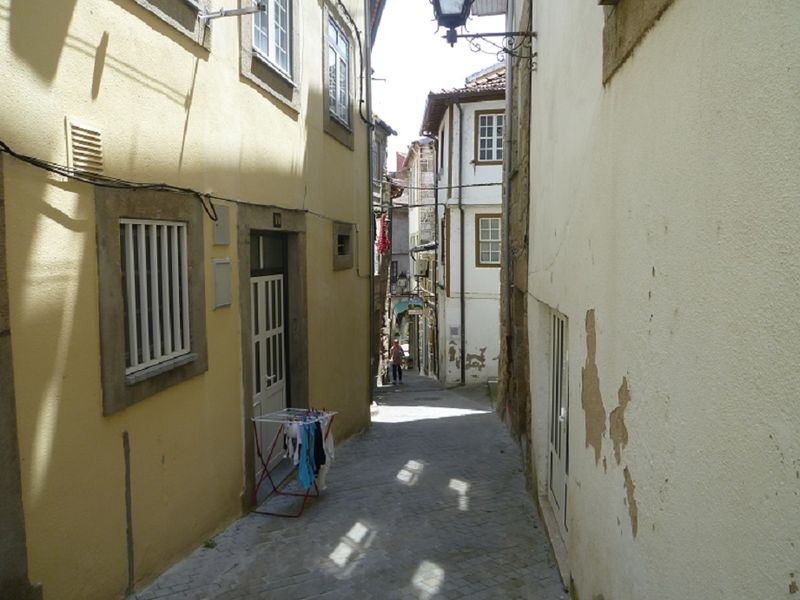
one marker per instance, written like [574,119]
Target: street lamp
[452,14]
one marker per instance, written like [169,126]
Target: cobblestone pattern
[429,504]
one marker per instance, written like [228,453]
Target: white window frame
[266,43]
[489,136]
[339,73]
[489,239]
[160,333]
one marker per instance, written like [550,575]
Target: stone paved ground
[428,504]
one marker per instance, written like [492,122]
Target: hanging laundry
[382,243]
[291,442]
[306,469]
[324,423]
[319,448]
[327,443]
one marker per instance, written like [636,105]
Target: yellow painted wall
[168,111]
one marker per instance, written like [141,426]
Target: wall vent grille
[84,147]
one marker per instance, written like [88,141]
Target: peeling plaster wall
[482,344]
[667,203]
[482,302]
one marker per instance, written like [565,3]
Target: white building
[468,126]
[662,289]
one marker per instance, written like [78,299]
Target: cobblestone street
[429,503]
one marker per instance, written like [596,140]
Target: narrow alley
[429,503]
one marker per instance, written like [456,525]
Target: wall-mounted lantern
[452,14]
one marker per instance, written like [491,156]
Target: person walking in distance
[396,356]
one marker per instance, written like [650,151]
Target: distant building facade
[468,125]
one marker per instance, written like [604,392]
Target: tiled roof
[485,85]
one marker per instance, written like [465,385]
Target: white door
[269,362]
[559,425]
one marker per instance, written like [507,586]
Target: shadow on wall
[49,21]
[157,24]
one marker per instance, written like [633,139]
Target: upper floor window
[182,15]
[489,136]
[272,34]
[487,240]
[338,73]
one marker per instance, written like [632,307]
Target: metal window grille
[271,34]
[489,240]
[338,73]
[156,284]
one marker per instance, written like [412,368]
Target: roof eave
[442,100]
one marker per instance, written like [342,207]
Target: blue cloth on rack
[306,469]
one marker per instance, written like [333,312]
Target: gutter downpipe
[436,262]
[508,176]
[461,251]
[373,367]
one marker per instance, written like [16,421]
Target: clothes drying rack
[283,418]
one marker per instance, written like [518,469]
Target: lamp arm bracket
[517,44]
[504,34]
[258,6]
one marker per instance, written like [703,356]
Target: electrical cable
[106,181]
[454,187]
[111,182]
[360,64]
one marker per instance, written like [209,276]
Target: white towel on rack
[292,442]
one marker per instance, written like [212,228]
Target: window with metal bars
[156,291]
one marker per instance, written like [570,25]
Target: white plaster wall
[479,282]
[482,343]
[482,301]
[667,201]
[540,356]
[472,172]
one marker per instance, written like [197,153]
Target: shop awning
[403,305]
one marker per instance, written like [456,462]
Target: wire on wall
[455,187]
[111,182]
[360,64]
[204,198]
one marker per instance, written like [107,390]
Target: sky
[414,60]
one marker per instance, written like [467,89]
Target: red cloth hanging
[382,243]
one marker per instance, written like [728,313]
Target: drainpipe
[507,166]
[462,268]
[367,75]
[436,262]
